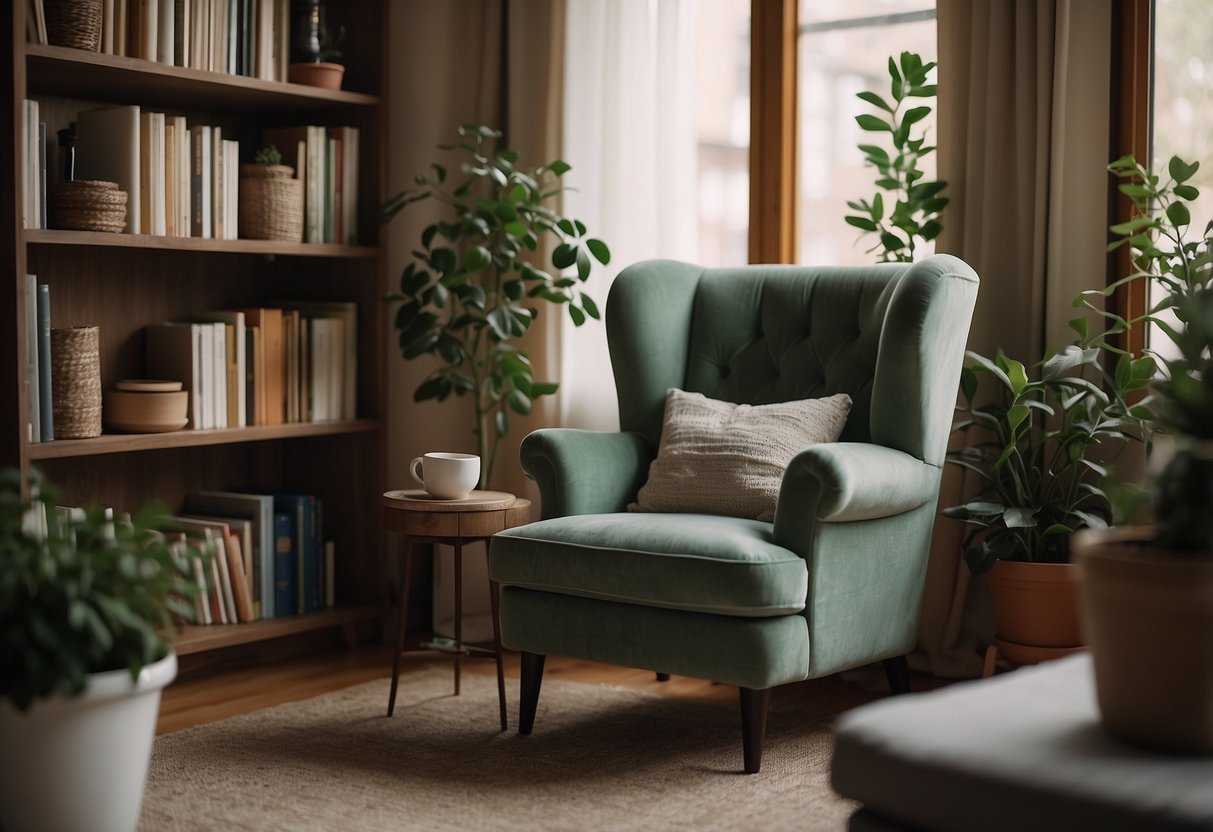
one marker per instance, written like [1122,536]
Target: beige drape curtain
[495,62]
[1023,143]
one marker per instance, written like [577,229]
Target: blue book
[302,510]
[285,581]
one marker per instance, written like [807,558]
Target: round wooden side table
[425,519]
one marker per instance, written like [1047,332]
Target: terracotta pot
[1149,617]
[1035,606]
[317,74]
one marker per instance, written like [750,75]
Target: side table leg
[458,609]
[495,599]
[404,617]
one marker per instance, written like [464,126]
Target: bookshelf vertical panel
[12,252]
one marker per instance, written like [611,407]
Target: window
[1181,122]
[722,128]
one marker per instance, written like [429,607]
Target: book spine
[42,202]
[196,229]
[284,564]
[31,358]
[44,363]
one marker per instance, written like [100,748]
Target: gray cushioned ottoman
[1024,750]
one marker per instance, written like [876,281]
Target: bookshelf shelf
[121,443]
[103,239]
[191,639]
[58,70]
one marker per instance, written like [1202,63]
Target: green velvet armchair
[836,580]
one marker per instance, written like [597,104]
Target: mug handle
[415,470]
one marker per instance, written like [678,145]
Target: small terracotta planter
[1035,610]
[317,74]
[1149,618]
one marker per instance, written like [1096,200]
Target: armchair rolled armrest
[585,472]
[844,482]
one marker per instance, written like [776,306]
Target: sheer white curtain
[629,133]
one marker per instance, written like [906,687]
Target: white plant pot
[79,763]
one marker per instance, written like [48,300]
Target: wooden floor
[205,694]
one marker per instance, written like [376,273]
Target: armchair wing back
[885,334]
[836,581]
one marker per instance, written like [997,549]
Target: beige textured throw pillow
[722,458]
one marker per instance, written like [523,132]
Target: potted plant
[315,48]
[271,199]
[474,288]
[1040,448]
[1147,592]
[86,609]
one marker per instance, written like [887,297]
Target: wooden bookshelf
[122,282]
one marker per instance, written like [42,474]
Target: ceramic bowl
[146,412]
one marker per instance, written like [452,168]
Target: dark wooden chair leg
[753,726]
[663,677]
[532,677]
[898,673]
[404,616]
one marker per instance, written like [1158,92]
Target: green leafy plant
[80,594]
[1040,448]
[268,156]
[905,211]
[330,43]
[1167,255]
[474,288]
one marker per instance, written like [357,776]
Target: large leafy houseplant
[1168,256]
[1039,447]
[473,288]
[80,593]
[905,211]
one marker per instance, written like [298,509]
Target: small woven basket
[86,205]
[74,23]
[271,204]
[76,382]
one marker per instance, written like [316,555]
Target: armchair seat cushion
[694,562]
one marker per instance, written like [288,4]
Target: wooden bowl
[146,412]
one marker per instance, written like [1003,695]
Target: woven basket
[271,204]
[74,23]
[76,382]
[85,205]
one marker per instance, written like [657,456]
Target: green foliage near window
[1042,445]
[474,286]
[1169,253]
[80,594]
[1039,446]
[905,211]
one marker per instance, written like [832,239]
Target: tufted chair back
[763,334]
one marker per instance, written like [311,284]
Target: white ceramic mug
[447,476]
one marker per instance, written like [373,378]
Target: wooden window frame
[1132,42]
[774,31]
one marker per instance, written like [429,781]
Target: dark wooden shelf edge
[62,69]
[102,239]
[118,443]
[194,639]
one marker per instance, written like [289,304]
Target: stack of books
[180,181]
[239,37]
[268,558]
[326,160]
[33,171]
[40,421]
[294,362]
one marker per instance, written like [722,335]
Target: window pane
[1182,119]
[722,121]
[844,50]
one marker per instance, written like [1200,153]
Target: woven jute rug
[600,758]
